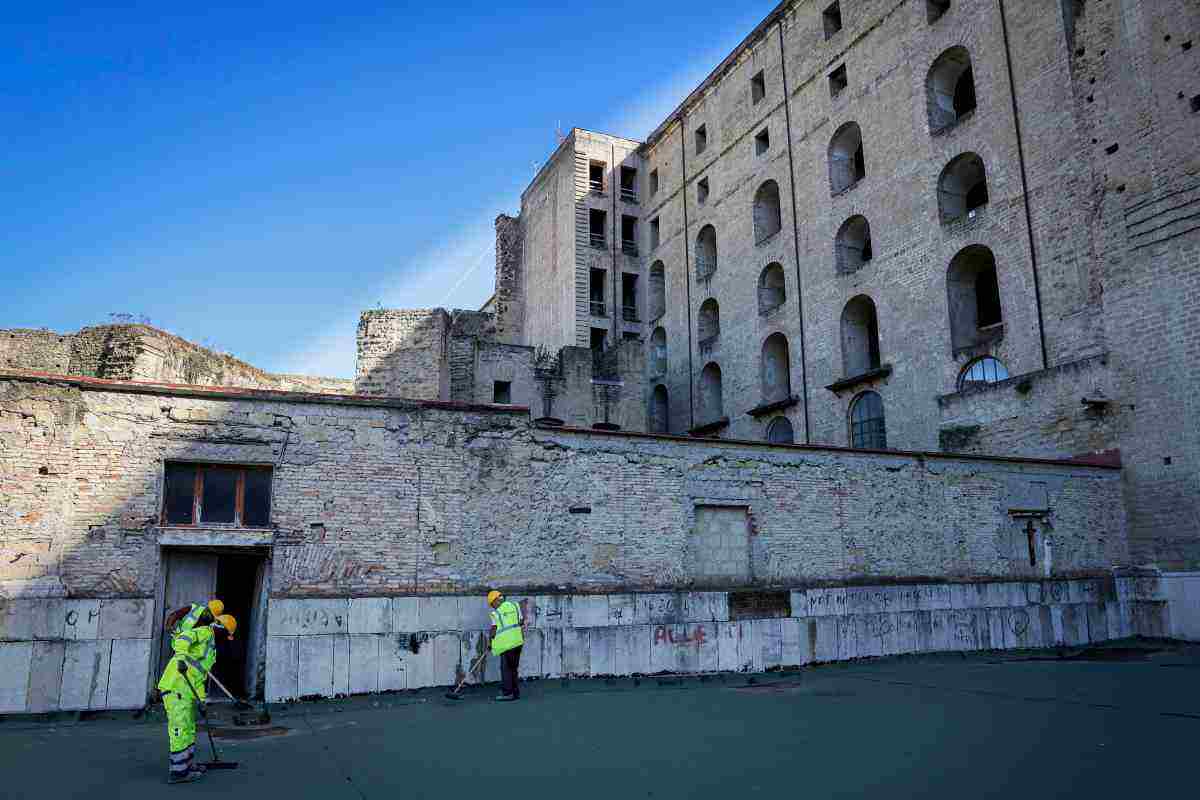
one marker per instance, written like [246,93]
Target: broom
[457,693]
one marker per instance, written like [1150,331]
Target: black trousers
[510,661]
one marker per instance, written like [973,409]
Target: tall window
[596,170]
[860,337]
[658,290]
[776,369]
[847,165]
[949,89]
[772,288]
[597,228]
[962,187]
[658,351]
[767,216]
[596,295]
[712,405]
[629,192]
[706,252]
[780,431]
[709,325]
[852,248]
[629,245]
[659,410]
[867,427]
[212,494]
[629,299]
[973,298]
[981,372]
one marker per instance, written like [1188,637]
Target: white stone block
[438,614]
[621,609]
[341,665]
[588,611]
[475,614]
[364,663]
[825,646]
[420,666]
[316,666]
[394,660]
[1034,595]
[129,673]
[1085,591]
[45,676]
[283,668]
[126,619]
[576,652]
[995,628]
[1056,592]
[531,655]
[551,611]
[632,648]
[770,644]
[85,675]
[705,607]
[826,602]
[656,609]
[1097,622]
[81,619]
[799,603]
[794,633]
[847,638]
[405,618]
[16,660]
[867,634]
[25,620]
[908,635]
[603,645]
[729,647]
[1182,592]
[289,617]
[370,615]
[447,657]
[1074,624]
[552,652]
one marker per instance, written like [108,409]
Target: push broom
[216,763]
[457,693]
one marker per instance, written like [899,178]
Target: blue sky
[252,179]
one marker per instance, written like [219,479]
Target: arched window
[709,324]
[772,288]
[962,187]
[706,252]
[860,337]
[973,296]
[767,216]
[852,248]
[712,406]
[658,352]
[846,163]
[780,431]
[776,369]
[949,89]
[982,371]
[867,427]
[658,290]
[659,410]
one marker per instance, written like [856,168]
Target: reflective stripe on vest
[507,635]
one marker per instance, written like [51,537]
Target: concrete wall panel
[621,609]
[370,615]
[438,614]
[16,660]
[588,611]
[577,652]
[129,673]
[552,653]
[316,666]
[364,663]
[85,675]
[45,676]
[341,665]
[395,658]
[126,619]
[308,617]
[81,619]
[602,650]
[405,617]
[283,668]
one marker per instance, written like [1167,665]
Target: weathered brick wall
[404,353]
[510,281]
[351,482]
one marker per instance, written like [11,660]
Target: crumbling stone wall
[141,352]
[510,276]
[404,353]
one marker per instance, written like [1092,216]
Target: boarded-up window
[216,494]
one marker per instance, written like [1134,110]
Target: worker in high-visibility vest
[507,638]
[183,682]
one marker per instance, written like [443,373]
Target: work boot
[504,698]
[188,777]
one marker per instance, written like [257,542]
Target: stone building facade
[909,223]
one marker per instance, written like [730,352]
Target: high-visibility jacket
[194,646]
[507,619]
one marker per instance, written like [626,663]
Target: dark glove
[182,667]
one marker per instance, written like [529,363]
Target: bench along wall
[380,498]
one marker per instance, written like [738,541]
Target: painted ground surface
[936,726]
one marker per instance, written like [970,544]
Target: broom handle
[467,674]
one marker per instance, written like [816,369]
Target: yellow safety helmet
[227,622]
[216,607]
[493,596]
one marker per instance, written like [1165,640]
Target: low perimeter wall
[97,654]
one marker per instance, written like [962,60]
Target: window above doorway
[216,494]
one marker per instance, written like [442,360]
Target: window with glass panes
[867,428]
[216,494]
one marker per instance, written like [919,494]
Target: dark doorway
[238,578]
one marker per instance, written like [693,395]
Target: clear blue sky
[252,178]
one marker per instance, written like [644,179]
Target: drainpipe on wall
[1033,260]
[787,116]
[687,275]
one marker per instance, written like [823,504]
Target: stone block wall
[404,354]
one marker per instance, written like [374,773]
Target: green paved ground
[933,727]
